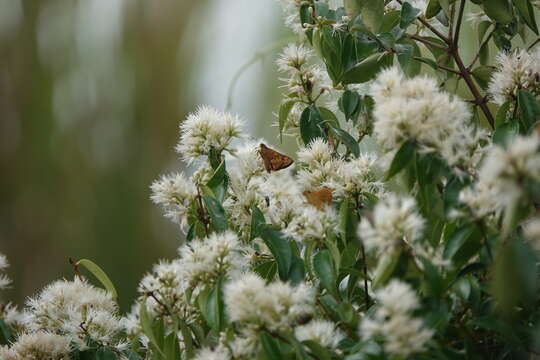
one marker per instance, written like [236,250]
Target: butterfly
[273,160]
[319,198]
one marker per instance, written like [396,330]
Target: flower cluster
[516,70]
[415,110]
[403,334]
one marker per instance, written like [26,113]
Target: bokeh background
[91,96]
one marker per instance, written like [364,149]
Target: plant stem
[480,51]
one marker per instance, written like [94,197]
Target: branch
[533,44]
[430,27]
[459,21]
[428,42]
[442,67]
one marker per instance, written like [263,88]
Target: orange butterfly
[273,160]
[319,198]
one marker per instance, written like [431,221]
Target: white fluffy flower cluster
[395,220]
[502,175]
[516,70]
[77,310]
[276,306]
[167,292]
[255,306]
[5,281]
[416,110]
[175,193]
[403,334]
[323,332]
[291,10]
[205,130]
[312,225]
[353,179]
[40,345]
[205,261]
[531,230]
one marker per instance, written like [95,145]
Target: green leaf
[328,116]
[280,249]
[498,10]
[385,269]
[372,14]
[147,326]
[528,107]
[435,282]
[505,133]
[310,124]
[353,7]
[267,270]
[408,15]
[217,214]
[99,274]
[171,346]
[433,8]
[187,338]
[318,350]
[219,181]
[257,222]
[5,333]
[367,69]
[527,12]
[502,113]
[482,75]
[350,104]
[270,347]
[324,269]
[284,111]
[347,140]
[403,157]
[297,272]
[463,244]
[104,353]
[212,307]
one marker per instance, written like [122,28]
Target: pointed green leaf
[99,274]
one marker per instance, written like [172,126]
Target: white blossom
[207,129]
[168,287]
[205,261]
[175,194]
[403,334]
[516,70]
[219,353]
[395,220]
[76,309]
[531,230]
[311,224]
[416,110]
[293,57]
[323,332]
[276,306]
[40,345]
[5,281]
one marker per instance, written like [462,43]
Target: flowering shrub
[425,248]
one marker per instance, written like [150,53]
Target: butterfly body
[273,160]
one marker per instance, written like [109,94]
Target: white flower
[531,230]
[395,220]
[311,224]
[415,110]
[283,198]
[207,129]
[5,281]
[40,345]
[75,309]
[291,10]
[293,57]
[357,177]
[175,194]
[504,170]
[169,291]
[205,261]
[323,332]
[276,306]
[219,353]
[403,334]
[515,70]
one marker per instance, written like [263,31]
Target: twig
[428,42]
[459,21]
[430,27]
[533,44]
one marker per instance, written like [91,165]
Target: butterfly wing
[319,198]
[273,160]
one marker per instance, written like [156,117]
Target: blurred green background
[91,96]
